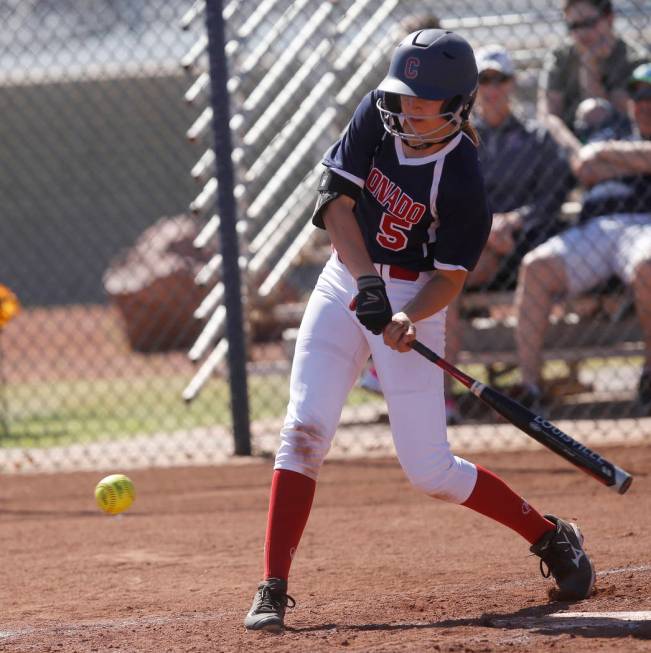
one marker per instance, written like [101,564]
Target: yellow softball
[115,493]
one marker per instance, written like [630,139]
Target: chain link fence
[109,233]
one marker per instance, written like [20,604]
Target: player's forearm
[346,237]
[435,295]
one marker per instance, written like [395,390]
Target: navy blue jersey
[420,213]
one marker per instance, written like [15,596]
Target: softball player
[402,198]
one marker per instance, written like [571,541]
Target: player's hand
[371,303]
[399,333]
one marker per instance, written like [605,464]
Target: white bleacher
[268,121]
[270,241]
[204,168]
[298,68]
[284,67]
[285,77]
[376,24]
[279,183]
[287,139]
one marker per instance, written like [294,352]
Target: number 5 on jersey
[392,232]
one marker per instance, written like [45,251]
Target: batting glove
[372,305]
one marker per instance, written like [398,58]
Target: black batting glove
[372,305]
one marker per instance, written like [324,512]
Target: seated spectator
[527,178]
[597,118]
[594,63]
[613,237]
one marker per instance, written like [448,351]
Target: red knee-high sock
[289,507]
[492,497]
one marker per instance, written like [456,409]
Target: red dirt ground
[381,567]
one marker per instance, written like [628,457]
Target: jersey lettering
[385,187]
[393,198]
[392,232]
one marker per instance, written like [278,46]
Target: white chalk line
[131,622]
[114,624]
[622,570]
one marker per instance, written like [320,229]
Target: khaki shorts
[602,247]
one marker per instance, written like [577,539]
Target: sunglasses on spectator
[493,78]
[586,23]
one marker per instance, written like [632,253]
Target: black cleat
[561,550]
[269,604]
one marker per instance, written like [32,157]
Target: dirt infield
[380,568]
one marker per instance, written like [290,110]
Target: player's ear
[454,104]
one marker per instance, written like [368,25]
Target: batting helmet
[431,64]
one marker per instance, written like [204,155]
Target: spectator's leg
[485,269]
[540,280]
[642,290]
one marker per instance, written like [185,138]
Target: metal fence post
[227,227]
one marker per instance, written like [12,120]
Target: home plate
[596,623]
[624,616]
[596,616]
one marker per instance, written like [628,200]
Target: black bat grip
[425,351]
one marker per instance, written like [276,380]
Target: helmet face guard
[397,123]
[431,64]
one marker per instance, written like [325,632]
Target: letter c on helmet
[411,67]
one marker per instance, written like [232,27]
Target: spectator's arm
[550,103]
[563,136]
[550,88]
[610,159]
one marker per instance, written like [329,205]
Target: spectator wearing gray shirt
[594,63]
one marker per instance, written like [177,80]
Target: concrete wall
[84,168]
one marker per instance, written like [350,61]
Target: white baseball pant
[331,349]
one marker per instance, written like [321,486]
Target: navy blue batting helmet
[431,64]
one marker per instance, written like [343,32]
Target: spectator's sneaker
[269,604]
[561,551]
[452,414]
[644,390]
[369,381]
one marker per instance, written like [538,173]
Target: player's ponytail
[470,132]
